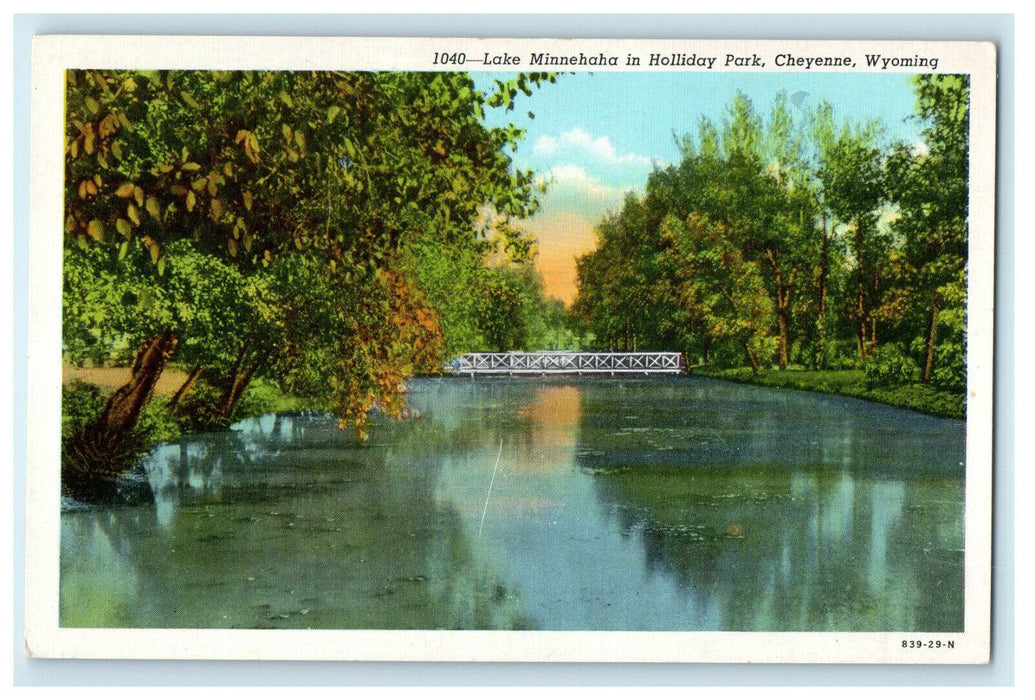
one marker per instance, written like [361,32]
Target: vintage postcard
[511,350]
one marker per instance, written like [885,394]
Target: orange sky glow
[562,238]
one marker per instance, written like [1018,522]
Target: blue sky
[598,135]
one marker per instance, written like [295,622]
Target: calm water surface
[662,504]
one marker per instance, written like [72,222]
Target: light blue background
[996,28]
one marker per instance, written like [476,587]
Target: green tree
[852,176]
[787,235]
[823,134]
[346,170]
[797,237]
[929,183]
[722,293]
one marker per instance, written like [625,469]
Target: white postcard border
[45,638]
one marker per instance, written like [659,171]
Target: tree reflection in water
[617,504]
[253,529]
[776,517]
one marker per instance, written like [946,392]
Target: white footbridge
[567,362]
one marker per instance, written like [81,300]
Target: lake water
[649,504]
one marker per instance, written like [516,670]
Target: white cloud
[572,176]
[570,188]
[580,144]
[585,175]
[545,146]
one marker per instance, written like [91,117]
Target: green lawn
[848,382]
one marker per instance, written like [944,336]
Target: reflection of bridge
[567,362]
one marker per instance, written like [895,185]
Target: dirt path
[111,378]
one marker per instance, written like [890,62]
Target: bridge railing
[566,362]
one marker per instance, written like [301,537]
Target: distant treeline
[796,240]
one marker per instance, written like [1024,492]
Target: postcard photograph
[511,350]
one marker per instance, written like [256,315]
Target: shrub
[157,423]
[841,354]
[950,372]
[95,461]
[889,365]
[195,411]
[259,399]
[80,403]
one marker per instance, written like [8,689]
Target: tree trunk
[125,405]
[186,386]
[751,358]
[783,305]
[96,458]
[241,376]
[861,301]
[781,314]
[929,345]
[782,317]
[873,321]
[821,319]
[235,390]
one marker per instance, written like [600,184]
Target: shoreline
[848,383]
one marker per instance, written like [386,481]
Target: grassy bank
[85,391]
[849,382]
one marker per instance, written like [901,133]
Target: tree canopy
[286,223]
[793,239]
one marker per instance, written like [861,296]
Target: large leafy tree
[929,182]
[797,237]
[852,175]
[775,209]
[745,178]
[721,291]
[626,259]
[252,170]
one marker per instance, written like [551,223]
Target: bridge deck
[565,362]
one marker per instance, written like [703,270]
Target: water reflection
[865,535]
[515,504]
[252,530]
